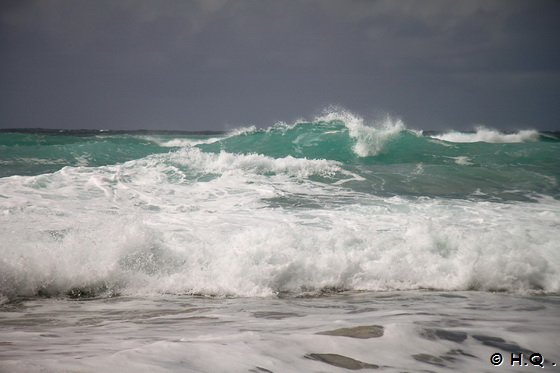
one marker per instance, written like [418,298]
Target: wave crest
[484,134]
[225,162]
[370,140]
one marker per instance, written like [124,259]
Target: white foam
[462,160]
[370,139]
[242,131]
[483,134]
[176,143]
[255,163]
[181,142]
[197,334]
[192,222]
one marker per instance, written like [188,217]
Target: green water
[394,162]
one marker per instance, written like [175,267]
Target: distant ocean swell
[327,205]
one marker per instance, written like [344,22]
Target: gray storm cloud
[215,64]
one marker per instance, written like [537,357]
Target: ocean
[325,245]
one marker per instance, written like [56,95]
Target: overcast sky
[219,64]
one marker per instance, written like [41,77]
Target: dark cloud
[212,64]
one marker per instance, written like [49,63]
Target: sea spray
[369,139]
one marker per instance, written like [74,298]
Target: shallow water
[420,331]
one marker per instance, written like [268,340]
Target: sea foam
[483,134]
[370,139]
[251,225]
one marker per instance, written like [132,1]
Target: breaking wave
[483,134]
[334,203]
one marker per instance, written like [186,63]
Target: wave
[370,139]
[226,253]
[45,151]
[483,134]
[385,154]
[344,137]
[336,135]
[224,162]
[181,142]
[189,222]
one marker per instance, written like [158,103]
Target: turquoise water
[332,204]
[387,161]
[158,251]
